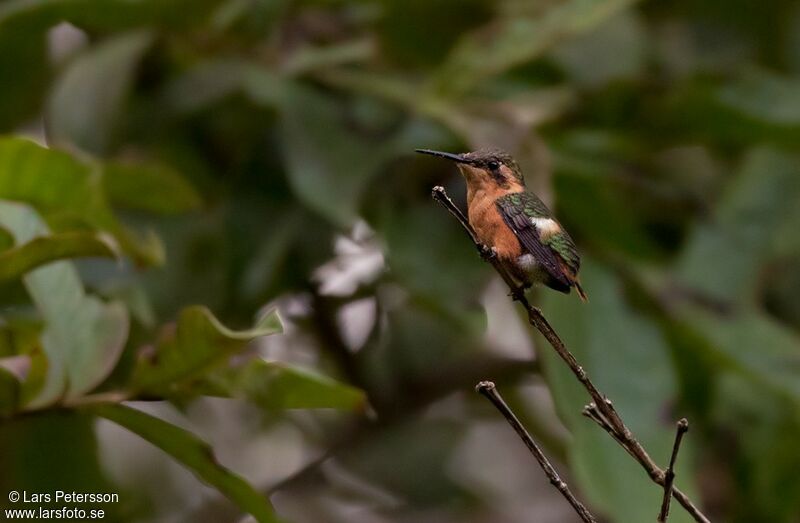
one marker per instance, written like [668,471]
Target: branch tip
[484,386]
[489,390]
[682,427]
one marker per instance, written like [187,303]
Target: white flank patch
[527,262]
[546,226]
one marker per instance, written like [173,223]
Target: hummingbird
[514,223]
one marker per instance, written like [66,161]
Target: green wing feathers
[561,259]
[530,204]
[560,242]
[565,248]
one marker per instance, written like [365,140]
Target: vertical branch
[601,410]
[669,475]
[488,390]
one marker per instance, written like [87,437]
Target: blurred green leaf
[65,190]
[44,452]
[314,58]
[204,84]
[628,360]
[42,250]
[429,339]
[269,89]
[518,37]
[392,461]
[601,215]
[768,439]
[6,239]
[149,187]
[328,166]
[194,454]
[264,267]
[765,96]
[613,50]
[785,243]
[753,344]
[83,337]
[195,344]
[23,74]
[394,88]
[48,179]
[430,230]
[594,198]
[420,32]
[102,14]
[208,83]
[36,378]
[724,258]
[274,385]
[87,100]
[22,355]
[136,300]
[9,392]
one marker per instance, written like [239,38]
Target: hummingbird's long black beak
[450,156]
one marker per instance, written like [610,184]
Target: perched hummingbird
[529,242]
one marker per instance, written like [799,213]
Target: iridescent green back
[533,207]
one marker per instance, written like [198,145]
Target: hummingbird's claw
[486,252]
[518,293]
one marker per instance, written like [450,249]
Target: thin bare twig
[669,475]
[606,415]
[488,390]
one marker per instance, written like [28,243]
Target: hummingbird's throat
[471,174]
[481,185]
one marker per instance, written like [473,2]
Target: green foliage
[749,229]
[520,35]
[149,187]
[9,392]
[62,443]
[100,14]
[84,336]
[276,386]
[16,261]
[319,157]
[731,341]
[193,453]
[67,192]
[197,342]
[87,99]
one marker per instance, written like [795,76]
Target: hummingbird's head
[485,166]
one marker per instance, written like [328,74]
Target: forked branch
[682,428]
[601,410]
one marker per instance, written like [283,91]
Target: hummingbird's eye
[493,165]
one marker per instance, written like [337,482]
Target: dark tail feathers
[581,292]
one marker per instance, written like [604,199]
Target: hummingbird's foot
[518,293]
[486,252]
